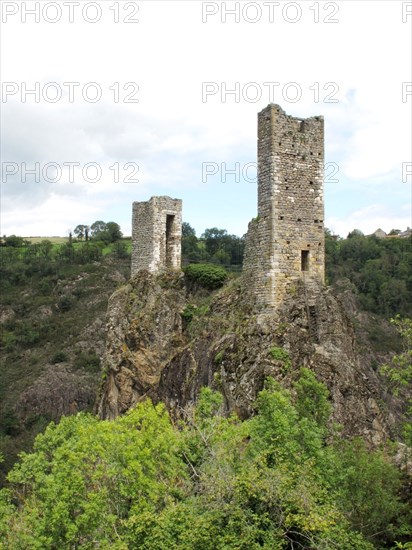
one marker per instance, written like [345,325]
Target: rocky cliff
[166,341]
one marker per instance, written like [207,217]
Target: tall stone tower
[286,241]
[156,234]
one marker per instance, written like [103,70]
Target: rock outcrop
[144,331]
[165,343]
[58,391]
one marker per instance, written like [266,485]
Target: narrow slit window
[304,260]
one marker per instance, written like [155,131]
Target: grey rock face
[153,351]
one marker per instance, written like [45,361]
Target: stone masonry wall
[286,241]
[156,234]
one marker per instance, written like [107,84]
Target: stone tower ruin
[286,242]
[156,234]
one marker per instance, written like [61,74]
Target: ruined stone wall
[156,234]
[286,241]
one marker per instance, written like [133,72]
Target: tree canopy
[214,246]
[99,230]
[275,481]
[380,269]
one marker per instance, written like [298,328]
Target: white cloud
[55,216]
[369,219]
[363,59]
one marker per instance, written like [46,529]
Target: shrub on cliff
[206,275]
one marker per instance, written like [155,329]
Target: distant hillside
[379,269]
[53,301]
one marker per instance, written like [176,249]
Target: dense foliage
[208,483]
[214,246]
[380,269]
[206,275]
[99,231]
[399,372]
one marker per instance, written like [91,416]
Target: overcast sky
[134,99]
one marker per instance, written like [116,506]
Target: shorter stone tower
[286,242]
[156,234]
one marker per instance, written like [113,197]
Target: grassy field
[54,240]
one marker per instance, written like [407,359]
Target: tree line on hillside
[50,293]
[98,231]
[18,265]
[379,269]
[213,246]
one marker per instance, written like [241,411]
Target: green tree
[380,269]
[187,230]
[190,244]
[114,231]
[223,248]
[399,370]
[45,249]
[214,239]
[107,232]
[367,488]
[271,482]
[13,241]
[90,480]
[80,231]
[312,398]
[97,227]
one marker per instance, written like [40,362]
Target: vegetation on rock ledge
[206,275]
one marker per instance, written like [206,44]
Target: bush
[59,357]
[279,354]
[206,275]
[188,313]
[65,303]
[120,250]
[14,241]
[87,360]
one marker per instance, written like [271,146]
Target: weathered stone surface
[156,234]
[144,328]
[286,241]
